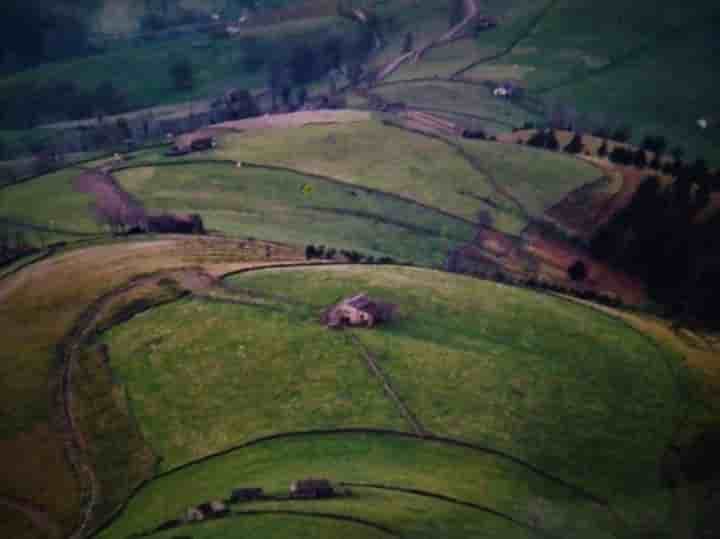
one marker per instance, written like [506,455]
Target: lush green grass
[141,72]
[456,97]
[628,67]
[531,374]
[49,201]
[439,468]
[38,307]
[283,206]
[414,166]
[279,526]
[538,179]
[243,372]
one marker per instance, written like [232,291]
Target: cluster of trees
[660,238]
[36,31]
[289,75]
[353,256]
[27,105]
[13,243]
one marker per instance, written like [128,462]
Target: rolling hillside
[540,395]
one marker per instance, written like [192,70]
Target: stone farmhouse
[312,488]
[359,310]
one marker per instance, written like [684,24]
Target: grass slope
[627,68]
[244,372]
[526,373]
[413,166]
[282,206]
[38,307]
[434,467]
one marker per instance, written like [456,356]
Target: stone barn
[312,488]
[175,224]
[246,494]
[359,310]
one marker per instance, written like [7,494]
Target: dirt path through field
[471,12]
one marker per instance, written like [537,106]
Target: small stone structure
[207,510]
[312,488]
[245,494]
[359,310]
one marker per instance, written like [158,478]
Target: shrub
[578,271]
[182,75]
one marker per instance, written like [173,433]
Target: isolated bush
[181,73]
[622,133]
[621,155]
[578,271]
[575,146]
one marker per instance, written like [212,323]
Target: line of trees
[664,238]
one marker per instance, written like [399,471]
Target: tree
[575,146]
[603,149]
[457,12]
[408,43]
[622,133]
[621,155]
[677,152]
[656,144]
[578,271]
[639,158]
[182,75]
[551,142]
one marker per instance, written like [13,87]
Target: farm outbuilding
[245,494]
[312,488]
[358,310]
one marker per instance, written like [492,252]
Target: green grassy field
[626,69]
[433,467]
[141,73]
[283,206]
[531,374]
[297,527]
[411,165]
[38,307]
[244,372]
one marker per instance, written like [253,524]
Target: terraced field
[292,207]
[428,171]
[53,303]
[537,382]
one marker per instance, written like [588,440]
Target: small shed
[213,509]
[358,310]
[194,514]
[312,488]
[505,89]
[245,494]
[202,143]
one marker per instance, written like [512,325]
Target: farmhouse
[359,310]
[504,90]
[312,488]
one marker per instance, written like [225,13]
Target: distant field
[456,97]
[141,73]
[429,466]
[411,165]
[283,206]
[537,178]
[627,69]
